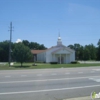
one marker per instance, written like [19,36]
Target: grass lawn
[42,65]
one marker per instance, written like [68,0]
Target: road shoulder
[79,98]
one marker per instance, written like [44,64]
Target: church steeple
[59,42]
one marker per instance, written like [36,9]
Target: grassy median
[43,66]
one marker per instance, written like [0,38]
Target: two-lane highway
[48,84]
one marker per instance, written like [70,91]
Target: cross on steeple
[59,34]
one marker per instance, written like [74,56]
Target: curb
[80,98]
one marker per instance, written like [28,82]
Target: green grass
[42,65]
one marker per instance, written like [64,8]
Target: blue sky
[40,21]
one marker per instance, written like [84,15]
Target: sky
[77,21]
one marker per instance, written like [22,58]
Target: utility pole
[10,43]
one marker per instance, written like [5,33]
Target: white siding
[68,58]
[72,57]
[51,55]
[63,51]
[41,57]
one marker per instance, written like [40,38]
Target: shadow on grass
[21,66]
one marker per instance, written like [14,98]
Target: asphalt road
[49,84]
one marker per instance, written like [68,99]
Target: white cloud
[18,40]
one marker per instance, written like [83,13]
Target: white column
[66,58]
[60,58]
[54,57]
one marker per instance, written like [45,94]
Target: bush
[74,62]
[53,62]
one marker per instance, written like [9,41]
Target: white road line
[23,75]
[92,71]
[94,79]
[7,76]
[96,69]
[39,74]
[80,72]
[53,74]
[50,79]
[67,73]
[48,90]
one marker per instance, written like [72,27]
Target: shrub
[53,62]
[74,62]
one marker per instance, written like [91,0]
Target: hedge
[53,62]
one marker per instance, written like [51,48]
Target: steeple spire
[59,42]
[59,34]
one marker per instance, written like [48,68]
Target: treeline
[4,48]
[87,52]
[34,45]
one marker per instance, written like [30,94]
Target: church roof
[37,51]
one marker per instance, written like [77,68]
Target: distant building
[58,53]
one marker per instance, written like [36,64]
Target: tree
[1,54]
[90,52]
[34,45]
[98,50]
[86,53]
[77,48]
[71,46]
[81,53]
[21,53]
[26,42]
[93,52]
[77,51]
[98,43]
[4,51]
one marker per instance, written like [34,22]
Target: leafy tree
[90,52]
[71,46]
[34,45]
[81,53]
[1,54]
[77,51]
[98,50]
[93,52]
[21,53]
[4,51]
[77,48]
[26,42]
[98,43]
[86,53]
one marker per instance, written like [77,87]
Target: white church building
[58,53]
